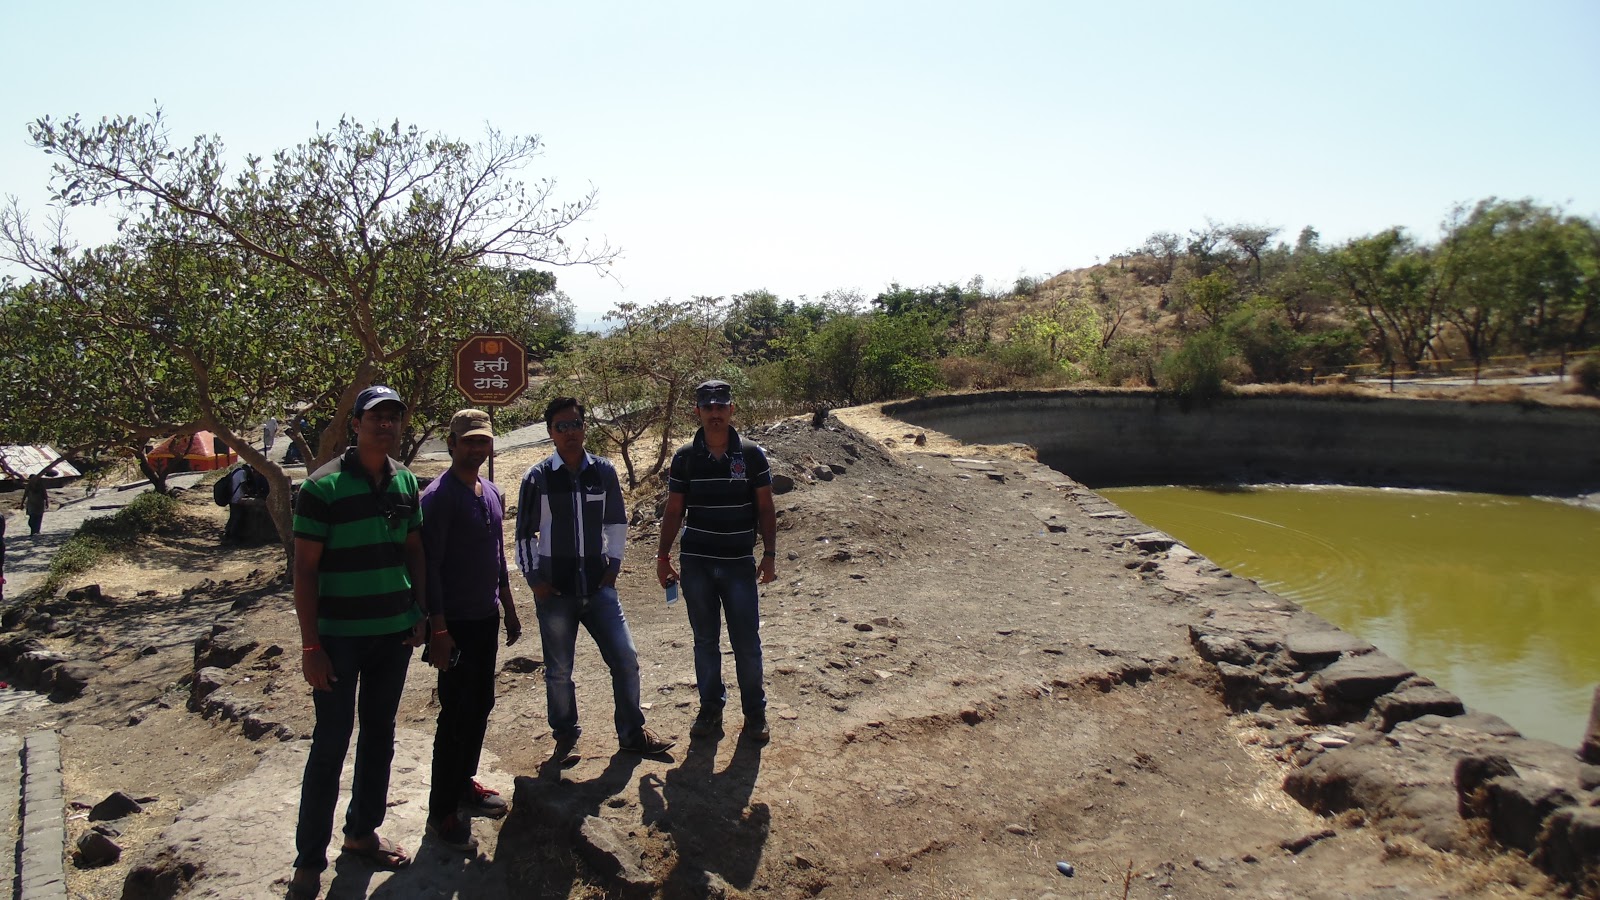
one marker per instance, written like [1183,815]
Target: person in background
[721,484]
[269,433]
[359,592]
[35,499]
[469,589]
[571,531]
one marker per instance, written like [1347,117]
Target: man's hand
[513,627]
[767,570]
[440,646]
[665,573]
[318,669]
[419,633]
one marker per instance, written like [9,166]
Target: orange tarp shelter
[198,452]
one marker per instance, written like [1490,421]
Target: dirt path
[973,676]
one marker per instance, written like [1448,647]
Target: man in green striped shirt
[359,582]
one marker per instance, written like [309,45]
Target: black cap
[374,395]
[713,391]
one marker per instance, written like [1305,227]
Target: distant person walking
[571,532]
[35,499]
[722,485]
[269,433]
[359,592]
[2,557]
[469,589]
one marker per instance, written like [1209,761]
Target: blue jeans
[601,613]
[712,589]
[378,664]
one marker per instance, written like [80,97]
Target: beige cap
[469,422]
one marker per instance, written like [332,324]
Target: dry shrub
[1586,377]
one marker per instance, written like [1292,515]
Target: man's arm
[417,565]
[527,536]
[613,528]
[767,524]
[314,662]
[671,521]
[436,524]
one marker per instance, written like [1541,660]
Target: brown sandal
[383,853]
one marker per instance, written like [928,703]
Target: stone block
[1360,680]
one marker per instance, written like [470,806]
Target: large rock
[224,648]
[1518,808]
[608,851]
[207,681]
[31,666]
[1570,848]
[1472,773]
[68,680]
[1321,647]
[1218,648]
[1360,680]
[1414,703]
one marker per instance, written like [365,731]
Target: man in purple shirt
[468,590]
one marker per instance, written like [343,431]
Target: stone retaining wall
[1104,438]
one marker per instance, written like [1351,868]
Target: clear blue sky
[827,145]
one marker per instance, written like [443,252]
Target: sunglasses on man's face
[568,425]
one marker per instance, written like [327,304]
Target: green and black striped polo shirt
[363,583]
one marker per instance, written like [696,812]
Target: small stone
[1299,844]
[863,626]
[95,849]
[116,805]
[1066,868]
[1019,829]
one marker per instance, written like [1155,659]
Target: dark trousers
[35,520]
[466,697]
[371,673]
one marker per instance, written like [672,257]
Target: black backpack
[222,491]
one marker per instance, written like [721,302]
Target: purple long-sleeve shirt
[463,536]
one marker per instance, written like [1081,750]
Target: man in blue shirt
[723,485]
[469,588]
[571,531]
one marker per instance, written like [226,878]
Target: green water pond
[1496,598]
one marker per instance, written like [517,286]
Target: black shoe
[648,744]
[755,728]
[707,723]
[563,754]
[453,832]
[478,800]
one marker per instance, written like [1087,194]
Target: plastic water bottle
[672,592]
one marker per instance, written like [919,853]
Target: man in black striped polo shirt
[359,580]
[723,485]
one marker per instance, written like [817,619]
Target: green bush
[1021,359]
[1199,370]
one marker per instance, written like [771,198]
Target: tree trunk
[158,480]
